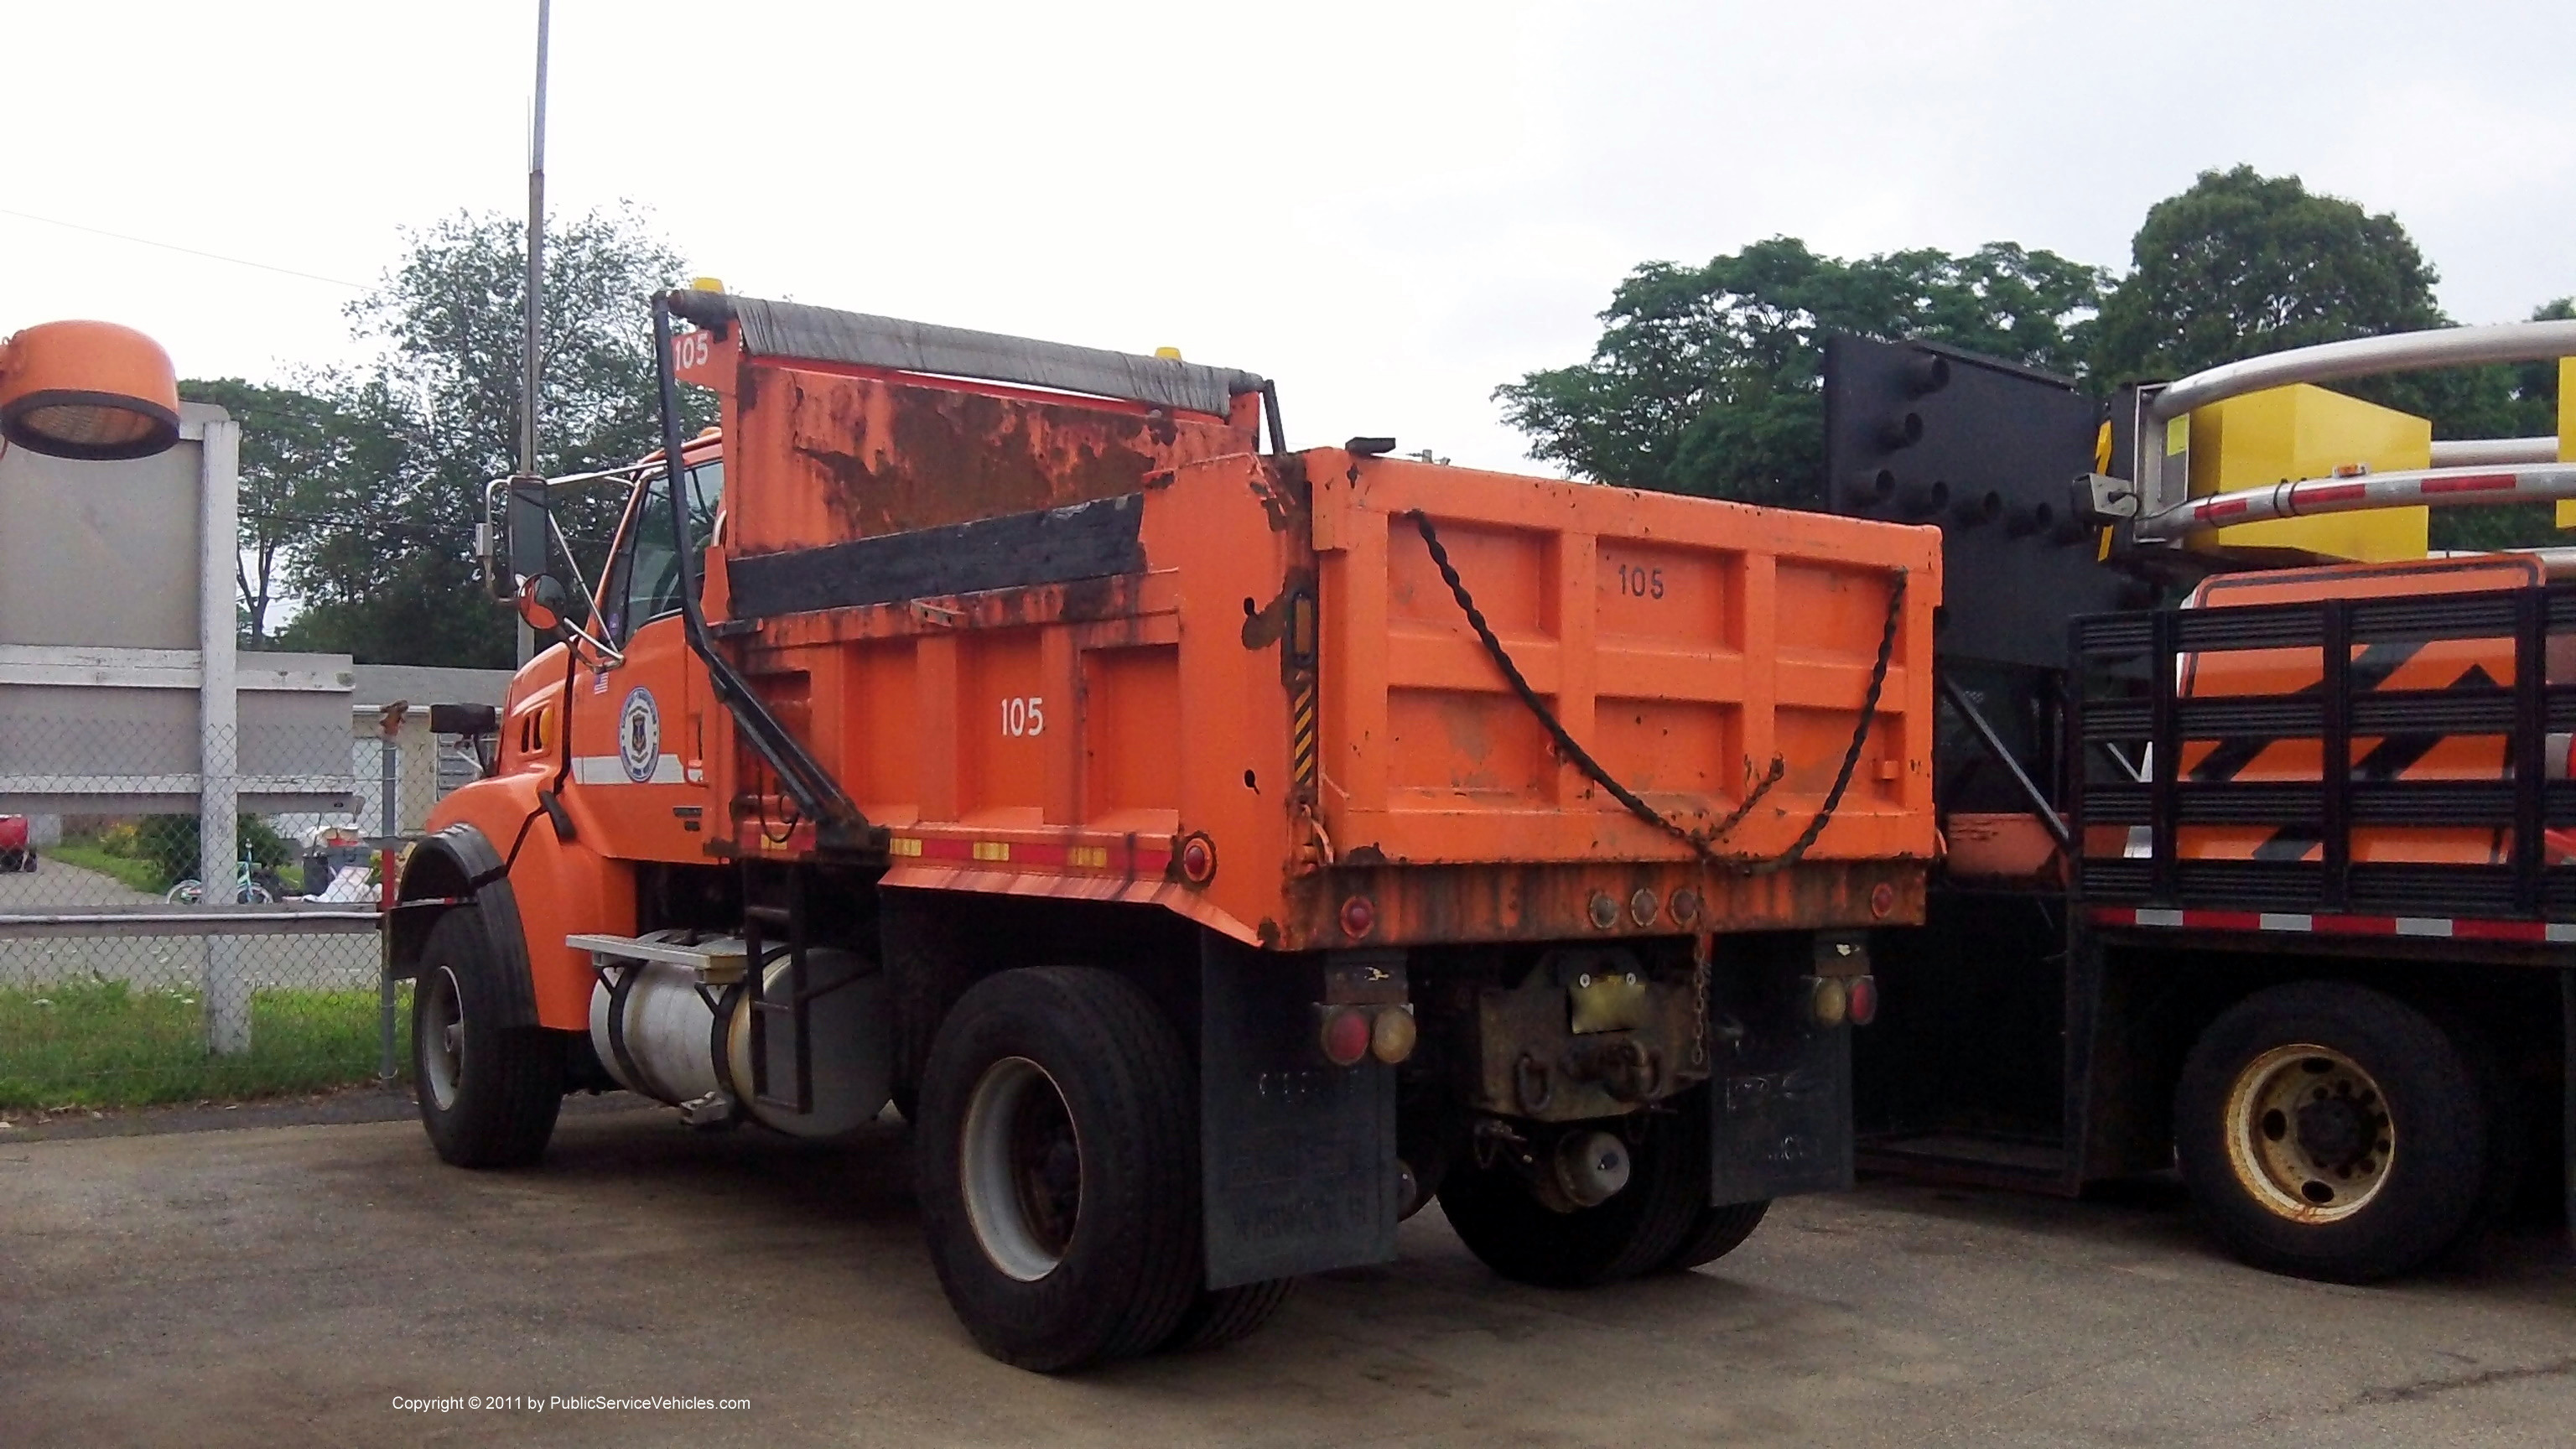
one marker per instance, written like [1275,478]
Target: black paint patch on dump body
[1016,550]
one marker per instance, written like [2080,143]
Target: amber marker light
[1829,1000]
[87,390]
[1392,1036]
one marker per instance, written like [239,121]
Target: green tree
[2242,264]
[1707,380]
[2510,402]
[2535,384]
[297,447]
[388,575]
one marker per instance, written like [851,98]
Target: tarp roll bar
[820,334]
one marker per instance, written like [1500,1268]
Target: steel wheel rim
[442,1040]
[2309,1134]
[1020,1167]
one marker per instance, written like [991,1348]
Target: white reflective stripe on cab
[611,770]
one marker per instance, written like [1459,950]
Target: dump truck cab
[1215,851]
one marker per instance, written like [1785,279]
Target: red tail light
[1345,1035]
[1862,1000]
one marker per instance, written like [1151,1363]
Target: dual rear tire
[1057,1157]
[1661,1222]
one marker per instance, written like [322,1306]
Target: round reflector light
[1359,917]
[1345,1036]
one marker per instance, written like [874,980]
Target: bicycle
[248,888]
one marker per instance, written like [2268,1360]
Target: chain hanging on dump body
[1702,843]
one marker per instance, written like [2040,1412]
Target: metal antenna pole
[528,475]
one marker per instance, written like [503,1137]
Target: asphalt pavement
[336,1285]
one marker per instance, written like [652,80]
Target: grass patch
[104,1044]
[138,875]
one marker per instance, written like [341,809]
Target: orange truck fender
[499,847]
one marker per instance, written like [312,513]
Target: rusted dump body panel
[1097,651]
[846,453]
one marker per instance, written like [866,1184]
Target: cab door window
[643,582]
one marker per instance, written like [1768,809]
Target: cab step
[717,960]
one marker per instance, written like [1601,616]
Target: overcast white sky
[1390,207]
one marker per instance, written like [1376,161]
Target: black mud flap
[1780,1100]
[1297,1156]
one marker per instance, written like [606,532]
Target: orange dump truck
[1216,851]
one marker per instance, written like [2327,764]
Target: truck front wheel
[488,1093]
[2329,1131]
[1058,1168]
[1502,1219]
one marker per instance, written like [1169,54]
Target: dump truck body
[1446,819]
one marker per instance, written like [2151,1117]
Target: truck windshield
[643,582]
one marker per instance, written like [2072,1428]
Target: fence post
[226,989]
[389,756]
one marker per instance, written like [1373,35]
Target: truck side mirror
[541,598]
[527,525]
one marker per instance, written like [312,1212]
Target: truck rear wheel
[1219,1316]
[1058,1168]
[1715,1232]
[2329,1131]
[1499,1216]
[488,1093]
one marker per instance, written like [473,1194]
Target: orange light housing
[87,390]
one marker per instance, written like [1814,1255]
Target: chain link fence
[131,974]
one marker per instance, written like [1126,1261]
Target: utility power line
[145,241]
